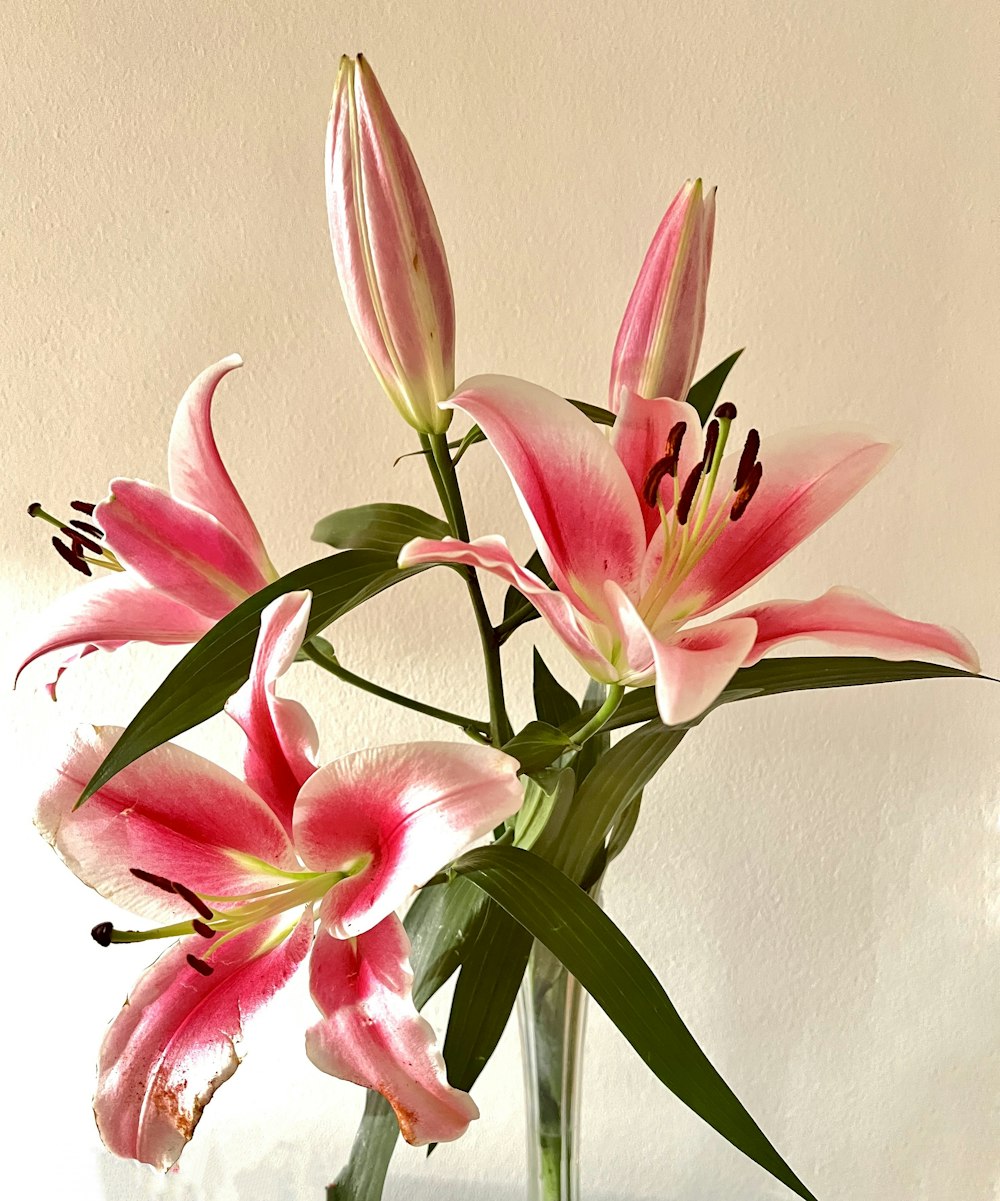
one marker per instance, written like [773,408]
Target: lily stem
[477,730]
[446,482]
[607,710]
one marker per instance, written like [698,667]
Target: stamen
[88,528]
[672,450]
[82,540]
[745,494]
[687,493]
[747,460]
[200,965]
[711,441]
[83,506]
[726,411]
[193,900]
[149,878]
[101,933]
[71,557]
[655,476]
[200,928]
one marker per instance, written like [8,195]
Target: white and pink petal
[372,1035]
[392,816]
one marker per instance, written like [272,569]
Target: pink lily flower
[240,871]
[656,351]
[388,250]
[657,528]
[178,560]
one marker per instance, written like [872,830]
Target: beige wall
[814,877]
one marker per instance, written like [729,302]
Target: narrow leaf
[544,801]
[538,745]
[773,676]
[553,704]
[705,392]
[219,663]
[384,527]
[592,948]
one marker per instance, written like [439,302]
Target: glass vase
[551,1014]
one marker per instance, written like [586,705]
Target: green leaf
[383,527]
[491,974]
[544,800]
[705,392]
[219,663]
[553,704]
[771,677]
[440,924]
[592,948]
[538,745]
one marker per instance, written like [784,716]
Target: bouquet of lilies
[392,868]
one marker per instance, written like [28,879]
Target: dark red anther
[726,411]
[101,933]
[71,557]
[88,528]
[200,965]
[711,442]
[83,506]
[747,459]
[81,540]
[655,477]
[156,881]
[687,493]
[745,494]
[672,450]
[193,900]
[199,927]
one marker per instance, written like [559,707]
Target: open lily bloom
[656,528]
[239,875]
[177,560]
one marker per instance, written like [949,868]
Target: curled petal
[807,476]
[171,813]
[280,753]
[394,815]
[856,623]
[177,548]
[492,554]
[178,1037]
[372,1035]
[575,494]
[106,614]
[196,472]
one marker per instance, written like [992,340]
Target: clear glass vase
[551,1013]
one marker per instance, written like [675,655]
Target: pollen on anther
[201,928]
[711,441]
[83,506]
[747,460]
[687,493]
[87,528]
[71,557]
[101,933]
[81,540]
[746,493]
[199,965]
[726,411]
[654,477]
[150,878]
[193,900]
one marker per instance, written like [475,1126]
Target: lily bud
[388,250]
[660,336]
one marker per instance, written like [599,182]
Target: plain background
[814,877]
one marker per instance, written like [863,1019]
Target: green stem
[446,482]
[476,730]
[593,726]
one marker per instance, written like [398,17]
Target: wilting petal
[178,1036]
[107,613]
[574,492]
[492,554]
[640,436]
[388,250]
[280,754]
[177,548]
[171,813]
[657,347]
[856,623]
[393,816]
[807,476]
[196,472]
[372,1035]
